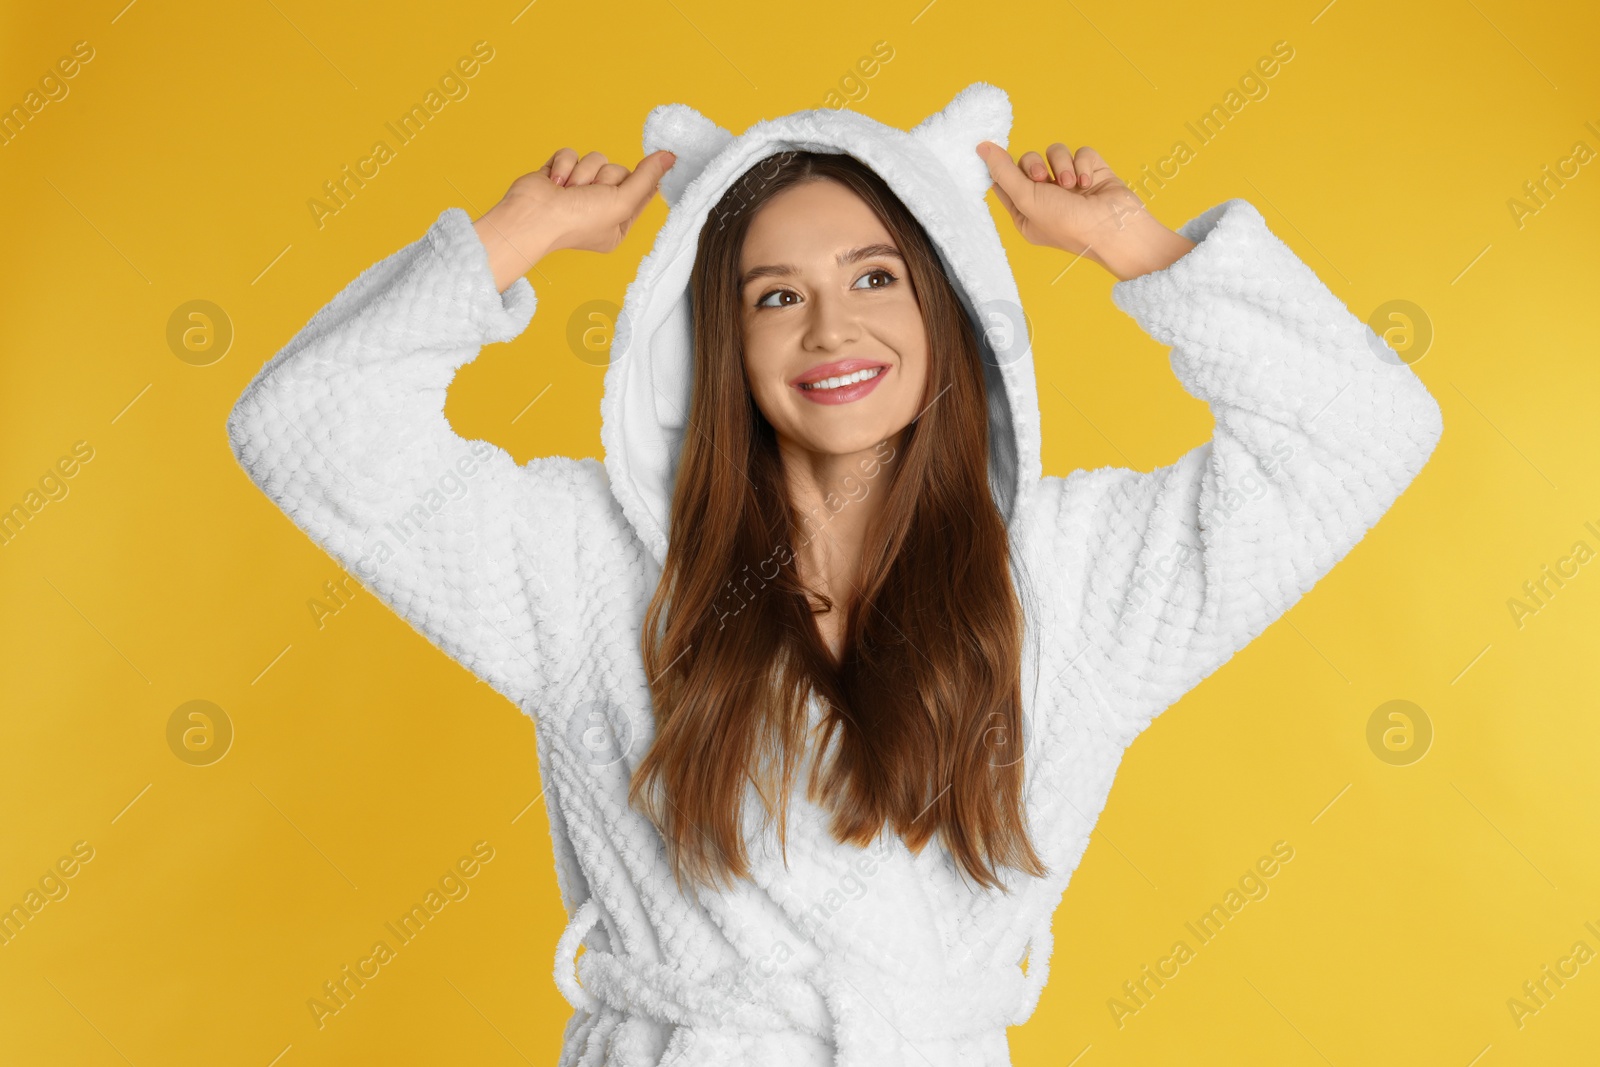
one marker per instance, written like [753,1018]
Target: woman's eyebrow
[845,258]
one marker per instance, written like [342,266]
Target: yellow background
[365,762]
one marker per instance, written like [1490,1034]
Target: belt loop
[566,972]
[1040,947]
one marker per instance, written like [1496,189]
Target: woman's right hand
[582,203]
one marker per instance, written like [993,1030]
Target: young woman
[821,540]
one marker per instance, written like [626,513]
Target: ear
[690,136]
[980,112]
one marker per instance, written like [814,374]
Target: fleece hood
[933,168]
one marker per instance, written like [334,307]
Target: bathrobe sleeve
[344,429]
[1319,426]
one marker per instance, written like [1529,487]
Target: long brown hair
[925,702]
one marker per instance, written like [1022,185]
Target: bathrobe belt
[848,1007]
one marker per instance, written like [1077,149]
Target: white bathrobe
[536,577]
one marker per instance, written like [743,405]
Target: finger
[587,167]
[1006,202]
[1033,166]
[1061,163]
[1010,183]
[561,165]
[611,174]
[641,184]
[1091,168]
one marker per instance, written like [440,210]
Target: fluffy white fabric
[536,577]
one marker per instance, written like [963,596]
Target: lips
[836,369]
[849,392]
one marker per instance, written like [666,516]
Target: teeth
[847,379]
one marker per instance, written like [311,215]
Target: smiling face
[824,297]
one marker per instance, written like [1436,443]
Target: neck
[838,496]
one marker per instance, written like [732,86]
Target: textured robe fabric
[536,577]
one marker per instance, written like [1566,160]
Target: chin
[846,428]
[844,441]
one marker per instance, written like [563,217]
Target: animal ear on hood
[980,112]
[690,136]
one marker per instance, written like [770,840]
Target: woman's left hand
[1084,208]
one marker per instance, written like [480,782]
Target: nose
[830,322]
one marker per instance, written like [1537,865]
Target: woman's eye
[765,301]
